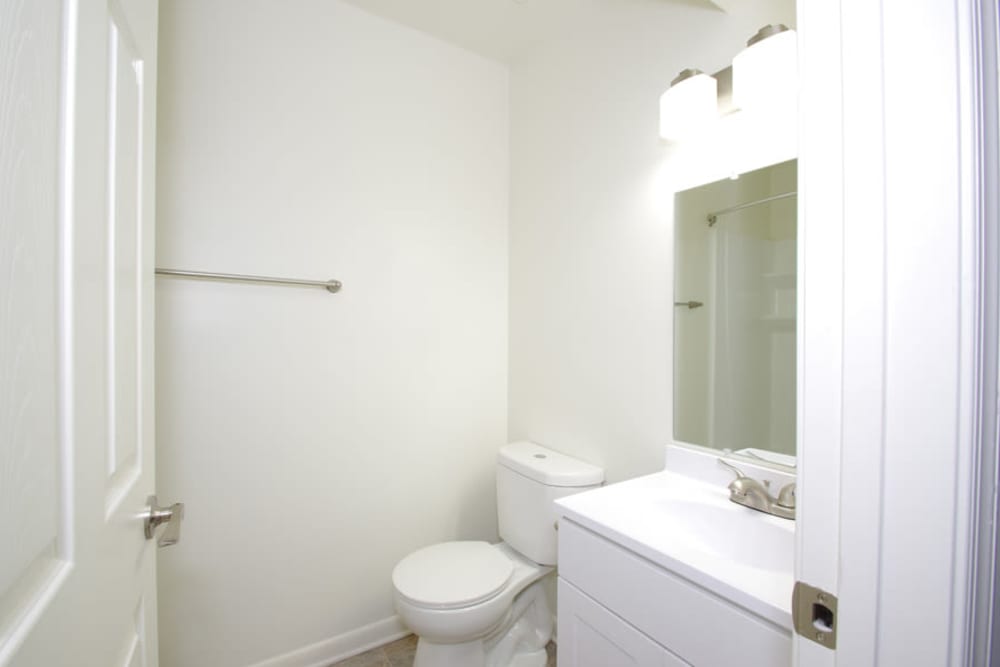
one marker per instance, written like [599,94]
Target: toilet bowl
[476,604]
[484,580]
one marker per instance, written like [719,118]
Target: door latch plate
[814,613]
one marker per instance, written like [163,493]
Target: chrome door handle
[154,515]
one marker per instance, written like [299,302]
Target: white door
[77,136]
[888,338]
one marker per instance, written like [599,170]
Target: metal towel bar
[332,286]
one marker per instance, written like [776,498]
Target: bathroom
[490,190]
[451,193]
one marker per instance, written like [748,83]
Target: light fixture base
[685,74]
[767,31]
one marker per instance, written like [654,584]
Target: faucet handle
[739,473]
[739,487]
[786,496]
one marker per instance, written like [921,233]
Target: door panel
[35,549]
[77,576]
[124,455]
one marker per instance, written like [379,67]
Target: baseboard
[341,647]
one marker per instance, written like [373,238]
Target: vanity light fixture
[765,73]
[763,77]
[689,105]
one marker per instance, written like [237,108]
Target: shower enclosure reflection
[734,319]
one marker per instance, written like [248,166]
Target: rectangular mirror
[734,320]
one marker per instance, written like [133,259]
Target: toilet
[476,604]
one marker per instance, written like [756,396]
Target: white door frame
[892,183]
[985,605]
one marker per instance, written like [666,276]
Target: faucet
[756,495]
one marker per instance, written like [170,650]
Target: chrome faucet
[756,495]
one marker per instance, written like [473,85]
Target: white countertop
[691,528]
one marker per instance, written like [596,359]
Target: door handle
[154,515]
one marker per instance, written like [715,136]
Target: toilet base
[538,658]
[469,654]
[518,642]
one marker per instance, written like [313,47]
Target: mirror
[734,314]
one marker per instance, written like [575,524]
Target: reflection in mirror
[734,315]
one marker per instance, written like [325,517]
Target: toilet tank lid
[548,467]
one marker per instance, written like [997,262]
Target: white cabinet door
[592,636]
[77,136]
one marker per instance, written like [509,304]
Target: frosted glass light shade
[765,75]
[688,107]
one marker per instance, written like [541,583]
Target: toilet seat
[452,575]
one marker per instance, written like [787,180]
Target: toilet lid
[452,574]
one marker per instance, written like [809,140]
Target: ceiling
[501,29]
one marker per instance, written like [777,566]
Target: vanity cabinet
[619,608]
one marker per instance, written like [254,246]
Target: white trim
[341,647]
[864,333]
[971,173]
[820,306]
[889,326]
[983,51]
[927,443]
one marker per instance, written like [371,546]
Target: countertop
[691,528]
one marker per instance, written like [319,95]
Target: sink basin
[692,529]
[733,532]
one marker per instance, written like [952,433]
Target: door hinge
[814,612]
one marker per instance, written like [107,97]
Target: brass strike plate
[814,612]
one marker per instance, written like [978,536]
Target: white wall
[316,439]
[590,243]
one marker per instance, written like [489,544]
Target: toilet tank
[529,478]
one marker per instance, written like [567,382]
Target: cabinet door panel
[592,636]
[670,610]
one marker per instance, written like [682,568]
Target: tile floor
[400,654]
